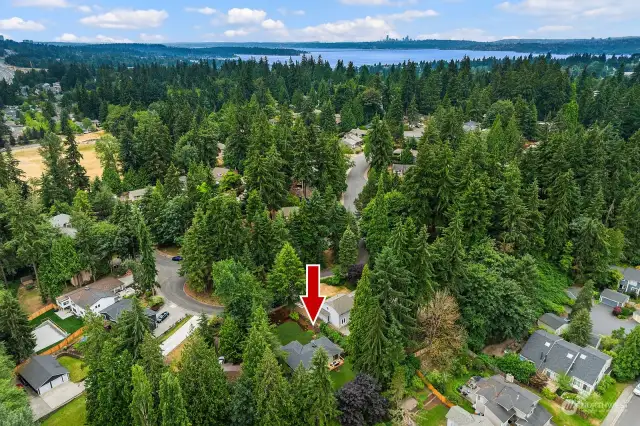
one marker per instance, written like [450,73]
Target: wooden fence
[41,311]
[438,395]
[66,342]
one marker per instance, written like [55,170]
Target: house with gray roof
[630,282]
[502,402]
[337,310]
[401,169]
[113,312]
[553,323]
[613,298]
[553,356]
[43,373]
[135,195]
[90,297]
[458,416]
[297,353]
[62,222]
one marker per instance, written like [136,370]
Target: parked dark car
[163,316]
[176,258]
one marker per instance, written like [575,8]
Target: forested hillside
[496,221]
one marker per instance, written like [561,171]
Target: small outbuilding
[43,373]
[553,323]
[613,298]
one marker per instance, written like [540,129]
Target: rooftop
[297,353]
[40,369]
[342,303]
[630,274]
[552,352]
[91,293]
[614,295]
[553,321]
[114,311]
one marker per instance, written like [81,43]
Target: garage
[613,298]
[43,373]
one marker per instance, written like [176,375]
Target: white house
[500,402]
[94,297]
[43,373]
[553,356]
[337,309]
[458,416]
[630,282]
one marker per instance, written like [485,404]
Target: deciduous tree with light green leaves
[626,365]
[59,267]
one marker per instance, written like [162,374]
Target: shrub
[547,393]
[564,383]
[439,380]
[333,335]
[155,300]
[627,312]
[521,370]
[294,315]
[478,364]
[605,384]
[354,273]
[488,360]
[417,384]
[617,311]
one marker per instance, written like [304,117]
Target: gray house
[630,282]
[553,323]
[613,298]
[43,373]
[297,353]
[113,312]
[502,403]
[553,356]
[62,222]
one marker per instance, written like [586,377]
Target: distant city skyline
[328,20]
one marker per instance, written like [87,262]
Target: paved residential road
[356,180]
[631,414]
[172,288]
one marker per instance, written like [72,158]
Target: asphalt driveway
[631,413]
[604,322]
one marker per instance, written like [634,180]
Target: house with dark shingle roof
[630,282]
[94,297]
[112,313]
[553,323]
[613,298]
[553,356]
[297,353]
[502,402]
[43,373]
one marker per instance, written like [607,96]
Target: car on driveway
[176,258]
[636,390]
[163,316]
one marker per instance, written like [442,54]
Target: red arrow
[313,301]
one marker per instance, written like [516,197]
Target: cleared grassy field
[31,162]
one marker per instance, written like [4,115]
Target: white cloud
[201,10]
[475,34]
[378,2]
[411,15]
[284,11]
[151,38]
[361,29]
[552,29]
[41,3]
[270,24]
[6,36]
[127,19]
[72,38]
[574,9]
[245,16]
[16,23]
[84,9]
[237,33]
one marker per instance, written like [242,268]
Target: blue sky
[313,20]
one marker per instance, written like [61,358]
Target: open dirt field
[331,290]
[31,162]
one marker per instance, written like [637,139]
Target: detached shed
[43,373]
[613,298]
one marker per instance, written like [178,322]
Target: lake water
[371,57]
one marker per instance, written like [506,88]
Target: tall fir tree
[272,393]
[142,406]
[73,157]
[172,408]
[15,330]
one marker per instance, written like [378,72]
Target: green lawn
[289,331]
[69,325]
[174,328]
[609,398]
[433,417]
[74,413]
[77,371]
[560,417]
[342,375]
